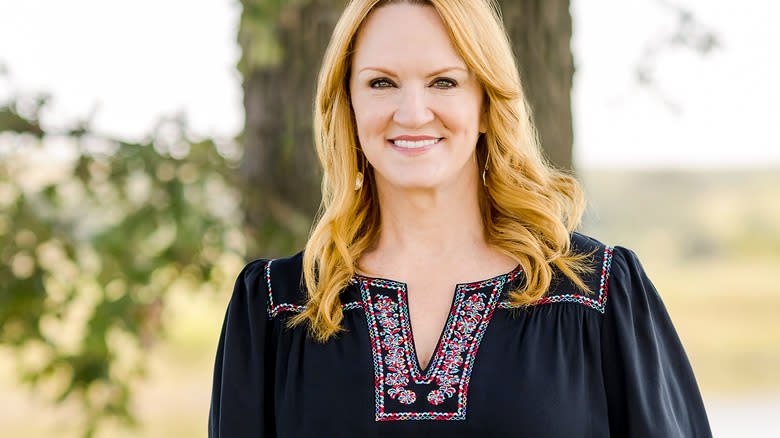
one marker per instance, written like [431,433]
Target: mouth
[408,142]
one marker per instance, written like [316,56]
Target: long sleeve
[240,396]
[650,385]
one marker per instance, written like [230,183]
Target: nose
[413,110]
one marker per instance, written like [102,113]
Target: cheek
[370,120]
[359,116]
[461,120]
[461,116]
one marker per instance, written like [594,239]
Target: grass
[727,317]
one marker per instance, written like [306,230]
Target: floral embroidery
[471,315]
[596,304]
[392,343]
[398,378]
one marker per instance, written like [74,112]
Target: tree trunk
[282,44]
[540,32]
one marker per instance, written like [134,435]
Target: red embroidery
[393,345]
[398,379]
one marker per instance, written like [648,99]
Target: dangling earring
[484,171]
[359,178]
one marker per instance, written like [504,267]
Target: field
[709,240]
[711,244]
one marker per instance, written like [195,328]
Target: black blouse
[605,364]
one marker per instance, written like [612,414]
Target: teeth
[414,144]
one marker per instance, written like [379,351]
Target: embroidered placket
[402,391]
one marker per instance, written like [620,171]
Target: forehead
[404,34]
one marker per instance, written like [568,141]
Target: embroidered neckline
[469,286]
[399,381]
[598,304]
[402,390]
[511,275]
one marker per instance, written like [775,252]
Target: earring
[484,171]
[360,174]
[359,181]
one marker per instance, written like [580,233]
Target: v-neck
[397,368]
[412,344]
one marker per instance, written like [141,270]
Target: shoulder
[626,263]
[272,285]
[606,260]
[615,276]
[597,260]
[284,284]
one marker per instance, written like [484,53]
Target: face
[417,107]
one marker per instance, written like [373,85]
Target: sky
[718,110]
[130,63]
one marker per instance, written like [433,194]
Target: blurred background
[148,150]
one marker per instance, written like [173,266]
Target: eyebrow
[435,73]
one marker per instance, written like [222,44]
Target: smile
[407,144]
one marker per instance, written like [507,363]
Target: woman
[443,291]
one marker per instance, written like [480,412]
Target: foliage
[93,231]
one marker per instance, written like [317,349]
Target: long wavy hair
[529,208]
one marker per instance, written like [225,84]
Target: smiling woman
[417,122]
[444,272]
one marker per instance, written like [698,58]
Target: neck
[442,224]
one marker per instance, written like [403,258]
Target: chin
[418,182]
[419,177]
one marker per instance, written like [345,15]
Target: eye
[444,83]
[380,83]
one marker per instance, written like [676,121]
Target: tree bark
[282,44]
[540,31]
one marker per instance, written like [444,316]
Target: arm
[241,399]
[650,385]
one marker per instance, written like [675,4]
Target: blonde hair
[529,209]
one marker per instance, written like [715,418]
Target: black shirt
[605,364]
